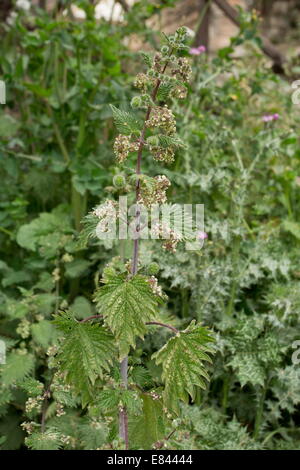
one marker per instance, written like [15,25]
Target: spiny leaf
[85,353]
[126,304]
[248,368]
[125,122]
[182,361]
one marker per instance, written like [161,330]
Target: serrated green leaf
[182,362]
[32,386]
[164,91]
[149,427]
[49,440]
[125,122]
[17,367]
[92,433]
[43,333]
[173,141]
[146,58]
[86,352]
[126,305]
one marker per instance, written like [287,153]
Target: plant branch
[164,325]
[92,317]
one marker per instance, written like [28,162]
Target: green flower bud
[153,268]
[136,102]
[109,271]
[145,98]
[153,140]
[182,31]
[164,50]
[119,181]
[150,73]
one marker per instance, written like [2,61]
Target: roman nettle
[133,398]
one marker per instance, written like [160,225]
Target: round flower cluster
[29,426]
[33,404]
[182,70]
[163,154]
[155,194]
[56,275]
[142,81]
[179,92]
[52,350]
[162,117]
[123,146]
[58,383]
[66,439]
[23,5]
[23,328]
[172,238]
[59,409]
[156,289]
[107,209]
[155,395]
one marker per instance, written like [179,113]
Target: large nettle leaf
[86,352]
[182,362]
[149,426]
[126,305]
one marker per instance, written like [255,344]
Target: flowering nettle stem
[123,419]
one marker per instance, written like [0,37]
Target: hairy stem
[259,413]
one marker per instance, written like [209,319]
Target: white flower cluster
[172,238]
[23,5]
[107,209]
[156,289]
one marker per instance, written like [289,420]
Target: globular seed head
[153,140]
[119,181]
[136,102]
[153,268]
[109,271]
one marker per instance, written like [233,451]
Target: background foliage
[56,162]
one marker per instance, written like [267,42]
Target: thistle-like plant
[128,298]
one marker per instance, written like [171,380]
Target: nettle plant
[92,355]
